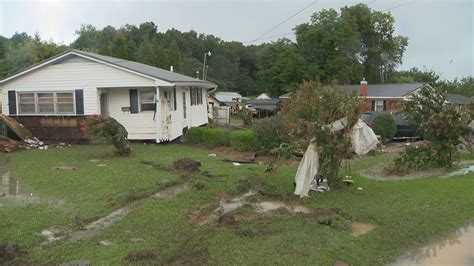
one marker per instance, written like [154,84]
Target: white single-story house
[51,98]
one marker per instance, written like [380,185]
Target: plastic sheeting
[307,170]
[363,140]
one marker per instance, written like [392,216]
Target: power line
[270,37]
[285,34]
[390,8]
[283,22]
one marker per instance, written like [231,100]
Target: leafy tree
[280,67]
[357,42]
[308,115]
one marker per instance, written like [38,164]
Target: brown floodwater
[457,249]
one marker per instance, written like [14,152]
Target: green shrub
[211,137]
[270,133]
[242,140]
[384,125]
[413,159]
[106,128]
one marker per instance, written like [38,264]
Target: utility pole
[204,67]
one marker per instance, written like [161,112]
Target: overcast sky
[440,32]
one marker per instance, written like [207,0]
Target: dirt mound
[9,252]
[140,255]
[186,165]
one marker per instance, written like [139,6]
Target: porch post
[159,130]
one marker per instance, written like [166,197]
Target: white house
[52,97]
[263,96]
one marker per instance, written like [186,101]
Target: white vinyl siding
[173,122]
[140,125]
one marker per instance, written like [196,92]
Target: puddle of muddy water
[456,249]
[361,228]
[462,171]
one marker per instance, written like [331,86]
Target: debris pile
[9,145]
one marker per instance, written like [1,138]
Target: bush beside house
[242,140]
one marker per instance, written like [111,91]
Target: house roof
[457,99]
[286,95]
[146,70]
[391,90]
[264,102]
[227,96]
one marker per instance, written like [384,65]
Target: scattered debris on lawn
[212,155]
[239,162]
[236,164]
[105,242]
[361,228]
[359,188]
[77,263]
[9,145]
[101,165]
[51,235]
[16,127]
[137,239]
[140,255]
[65,168]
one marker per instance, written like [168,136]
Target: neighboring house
[388,97]
[457,99]
[211,103]
[383,97]
[51,98]
[232,99]
[263,96]
[264,107]
[285,96]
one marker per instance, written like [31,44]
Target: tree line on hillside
[343,47]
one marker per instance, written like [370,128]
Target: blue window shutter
[12,102]
[134,101]
[373,105]
[385,105]
[79,102]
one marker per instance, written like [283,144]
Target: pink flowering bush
[106,128]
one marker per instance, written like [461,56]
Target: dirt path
[96,226]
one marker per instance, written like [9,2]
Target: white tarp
[307,170]
[363,140]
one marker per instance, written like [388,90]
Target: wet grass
[406,213]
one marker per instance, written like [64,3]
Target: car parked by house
[405,128]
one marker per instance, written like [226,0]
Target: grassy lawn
[406,213]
